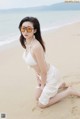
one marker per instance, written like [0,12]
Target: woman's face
[27,30]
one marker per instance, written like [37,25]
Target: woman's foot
[64,85]
[73,91]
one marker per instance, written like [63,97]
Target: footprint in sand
[33,109]
[74,110]
[72,99]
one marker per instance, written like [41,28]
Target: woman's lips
[25,35]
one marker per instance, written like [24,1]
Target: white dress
[52,85]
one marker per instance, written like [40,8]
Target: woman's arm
[39,54]
[38,80]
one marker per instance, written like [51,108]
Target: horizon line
[29,6]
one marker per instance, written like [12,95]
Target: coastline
[53,28]
[60,26]
[17,82]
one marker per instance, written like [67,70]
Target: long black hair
[36,26]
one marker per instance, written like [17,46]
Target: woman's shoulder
[37,46]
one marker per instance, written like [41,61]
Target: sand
[17,82]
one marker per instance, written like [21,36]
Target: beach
[18,82]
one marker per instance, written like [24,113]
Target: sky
[7,4]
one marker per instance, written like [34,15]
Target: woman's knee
[36,98]
[41,105]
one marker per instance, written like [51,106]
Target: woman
[47,75]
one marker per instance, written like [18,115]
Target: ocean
[9,21]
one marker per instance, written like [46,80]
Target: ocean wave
[15,37]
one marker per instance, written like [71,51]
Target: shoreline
[53,28]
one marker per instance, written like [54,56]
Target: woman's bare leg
[38,92]
[64,85]
[60,96]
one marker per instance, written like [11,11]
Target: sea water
[10,19]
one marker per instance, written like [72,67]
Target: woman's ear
[35,30]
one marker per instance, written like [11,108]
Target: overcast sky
[6,4]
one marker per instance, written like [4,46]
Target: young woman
[47,75]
